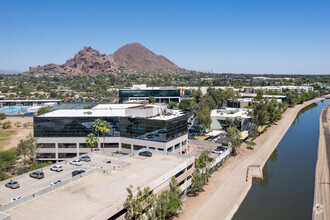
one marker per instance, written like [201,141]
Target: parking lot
[30,185]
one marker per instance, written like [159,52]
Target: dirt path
[229,186]
[21,131]
[321,209]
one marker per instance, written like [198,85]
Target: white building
[220,116]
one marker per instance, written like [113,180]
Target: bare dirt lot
[10,137]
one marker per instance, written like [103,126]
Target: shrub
[3,175]
[22,170]
[2,116]
[18,124]
[6,124]
[225,143]
[39,165]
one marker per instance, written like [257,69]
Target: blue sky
[246,36]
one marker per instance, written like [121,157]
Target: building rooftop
[90,195]
[151,111]
[144,87]
[231,112]
[32,100]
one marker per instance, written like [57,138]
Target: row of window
[138,128]
[73,145]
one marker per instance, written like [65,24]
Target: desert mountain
[132,57]
[135,57]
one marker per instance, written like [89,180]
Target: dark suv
[77,172]
[37,174]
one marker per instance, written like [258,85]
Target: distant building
[142,92]
[278,89]
[220,118]
[30,102]
[62,133]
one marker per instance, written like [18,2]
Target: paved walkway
[229,186]
[321,209]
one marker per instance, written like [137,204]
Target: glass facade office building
[136,128]
[162,94]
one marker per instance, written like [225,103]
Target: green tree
[260,94]
[259,114]
[193,108]
[204,116]
[168,203]
[197,94]
[43,110]
[291,98]
[7,159]
[91,141]
[139,204]
[97,126]
[235,138]
[105,128]
[26,148]
[2,116]
[152,99]
[172,105]
[185,104]
[274,111]
[253,132]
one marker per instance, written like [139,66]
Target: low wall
[47,189]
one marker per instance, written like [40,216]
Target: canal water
[287,190]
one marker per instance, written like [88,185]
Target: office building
[142,92]
[62,133]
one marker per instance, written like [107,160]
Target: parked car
[163,131]
[217,151]
[85,158]
[57,168]
[222,148]
[76,162]
[77,172]
[12,184]
[56,182]
[37,174]
[15,198]
[109,161]
[145,154]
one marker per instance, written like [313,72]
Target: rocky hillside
[135,57]
[131,58]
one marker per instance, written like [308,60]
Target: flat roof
[231,112]
[115,106]
[90,195]
[110,110]
[30,100]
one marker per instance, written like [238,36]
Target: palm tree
[91,141]
[97,127]
[104,129]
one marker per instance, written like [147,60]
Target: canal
[287,189]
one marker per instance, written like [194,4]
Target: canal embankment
[321,208]
[229,186]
